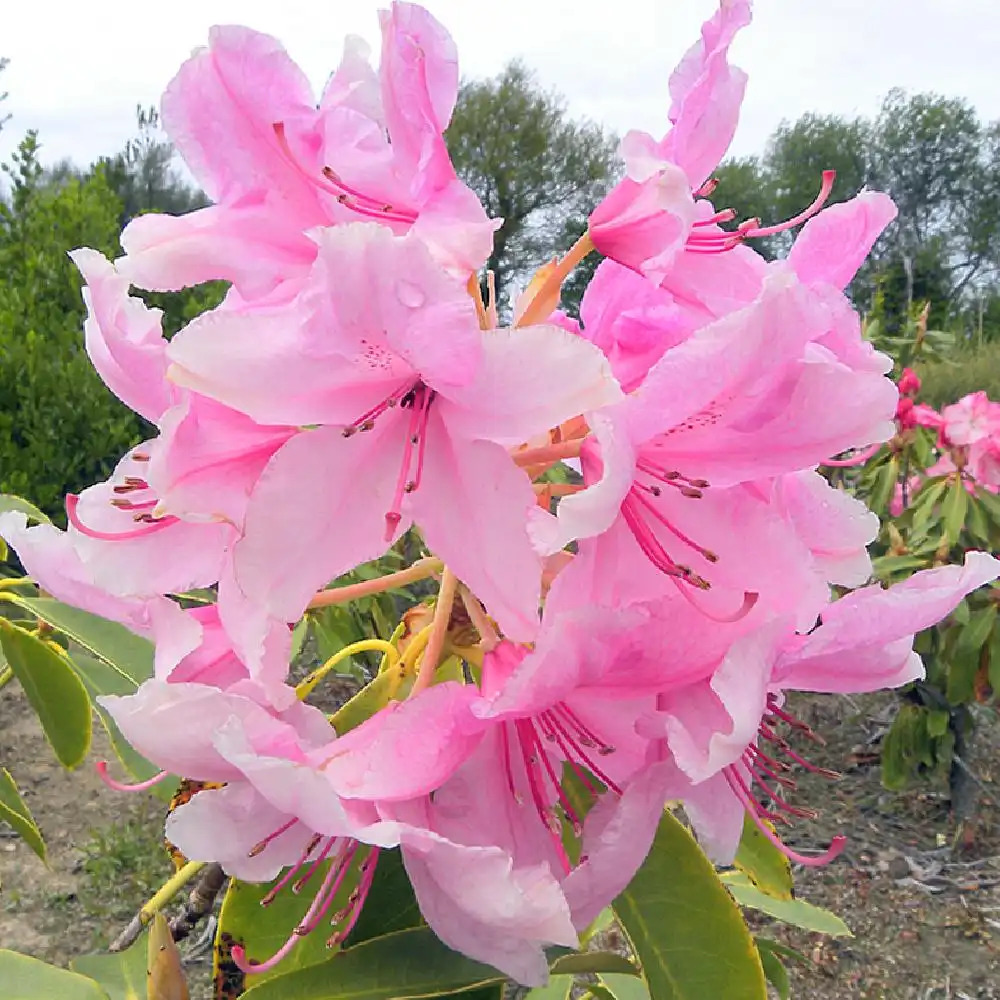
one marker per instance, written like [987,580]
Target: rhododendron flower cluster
[635,627]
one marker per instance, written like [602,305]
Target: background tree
[514,144]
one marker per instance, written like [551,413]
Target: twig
[151,907]
[200,901]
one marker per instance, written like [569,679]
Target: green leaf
[962,669]
[558,988]
[796,911]
[927,499]
[763,863]
[587,963]
[978,524]
[9,502]
[884,484]
[14,811]
[775,970]
[410,963]
[625,987]
[26,978]
[975,634]
[122,975]
[954,509]
[56,693]
[685,929]
[129,654]
[937,722]
[994,668]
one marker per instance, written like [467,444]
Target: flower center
[531,749]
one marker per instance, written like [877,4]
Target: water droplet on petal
[410,295]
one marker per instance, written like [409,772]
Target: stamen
[293,871]
[121,786]
[700,549]
[155,524]
[261,845]
[583,758]
[357,901]
[757,814]
[419,399]
[829,176]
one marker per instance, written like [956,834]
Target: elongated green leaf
[594,962]
[763,863]
[926,500]
[390,904]
[121,975]
[978,630]
[10,502]
[954,509]
[686,931]
[884,484]
[129,654]
[24,978]
[775,970]
[56,693]
[14,811]
[796,911]
[410,963]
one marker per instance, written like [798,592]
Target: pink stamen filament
[675,531]
[373,203]
[582,757]
[651,546]
[261,845]
[758,814]
[154,524]
[358,897]
[542,755]
[416,437]
[344,195]
[121,786]
[300,883]
[294,870]
[551,733]
[829,176]
[367,419]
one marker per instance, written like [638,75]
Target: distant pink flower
[973,418]
[909,383]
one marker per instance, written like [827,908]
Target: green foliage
[56,693]
[686,931]
[16,813]
[26,978]
[60,428]
[962,373]
[797,912]
[122,975]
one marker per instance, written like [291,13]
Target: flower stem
[152,906]
[438,632]
[548,453]
[306,687]
[420,570]
[538,308]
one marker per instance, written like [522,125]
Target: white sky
[77,70]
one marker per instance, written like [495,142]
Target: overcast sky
[77,70]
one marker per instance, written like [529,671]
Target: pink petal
[124,339]
[864,642]
[834,243]
[317,511]
[472,507]
[434,733]
[516,393]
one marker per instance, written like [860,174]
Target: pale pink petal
[834,243]
[124,338]
[834,525]
[354,84]
[340,489]
[225,824]
[472,507]
[220,110]
[617,835]
[249,243]
[717,816]
[865,639]
[434,733]
[516,392]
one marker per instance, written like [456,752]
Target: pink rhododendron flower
[242,116]
[383,351]
[723,733]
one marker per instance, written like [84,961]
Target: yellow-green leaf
[685,928]
[24,978]
[121,975]
[763,863]
[14,811]
[56,693]
[796,911]
[954,509]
